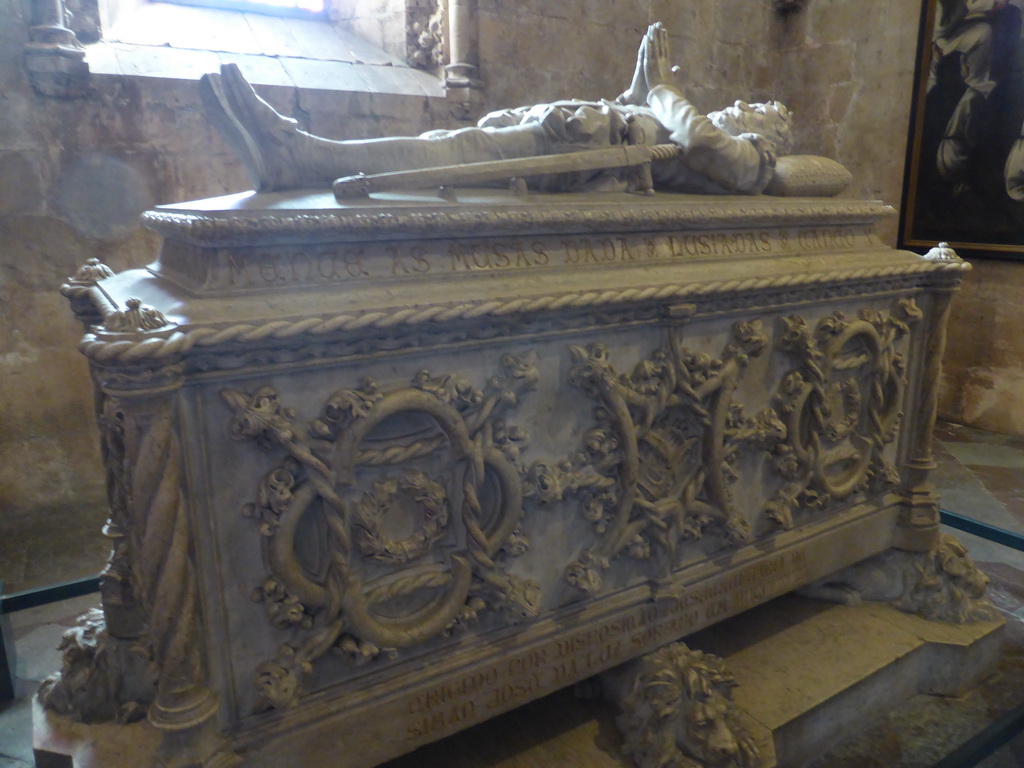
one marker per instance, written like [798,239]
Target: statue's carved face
[771,120]
[704,732]
[952,559]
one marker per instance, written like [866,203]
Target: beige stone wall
[535,50]
[74,174]
[984,362]
[847,68]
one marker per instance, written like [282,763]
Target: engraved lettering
[626,254]
[480,260]
[236,266]
[447,720]
[269,269]
[398,264]
[458,257]
[540,255]
[354,262]
[571,256]
[501,257]
[608,250]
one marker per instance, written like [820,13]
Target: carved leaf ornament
[657,471]
[389,519]
[841,407]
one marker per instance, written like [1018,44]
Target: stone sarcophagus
[380,471]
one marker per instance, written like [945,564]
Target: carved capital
[942,252]
[79,291]
[136,317]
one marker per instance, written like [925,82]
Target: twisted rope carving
[398,454]
[180,342]
[164,575]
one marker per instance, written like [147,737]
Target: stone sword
[469,174]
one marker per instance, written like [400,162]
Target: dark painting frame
[966,122]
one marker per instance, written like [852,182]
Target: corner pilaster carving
[54,58]
[149,587]
[918,528]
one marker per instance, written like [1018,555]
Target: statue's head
[771,120]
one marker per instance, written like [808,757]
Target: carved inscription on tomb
[254,268]
[547,666]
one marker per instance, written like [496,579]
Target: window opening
[306,9]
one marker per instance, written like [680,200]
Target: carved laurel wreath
[369,515]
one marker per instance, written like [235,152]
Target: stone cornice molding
[172,344]
[259,227]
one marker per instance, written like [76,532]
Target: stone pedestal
[811,675]
[385,470]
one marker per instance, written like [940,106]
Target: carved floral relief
[395,517]
[841,404]
[390,518]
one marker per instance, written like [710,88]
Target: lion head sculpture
[946,585]
[941,583]
[679,712]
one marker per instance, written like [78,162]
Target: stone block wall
[75,173]
[984,362]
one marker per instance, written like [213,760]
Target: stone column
[150,586]
[54,58]
[121,611]
[918,528]
[461,74]
[140,377]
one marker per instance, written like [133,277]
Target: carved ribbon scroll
[388,520]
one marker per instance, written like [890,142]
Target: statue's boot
[269,144]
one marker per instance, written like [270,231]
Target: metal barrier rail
[982,530]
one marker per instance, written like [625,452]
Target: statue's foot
[265,141]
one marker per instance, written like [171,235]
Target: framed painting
[965,169]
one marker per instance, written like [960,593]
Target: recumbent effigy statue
[734,150]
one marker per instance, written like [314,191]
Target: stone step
[811,674]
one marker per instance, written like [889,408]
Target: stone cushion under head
[808,176]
